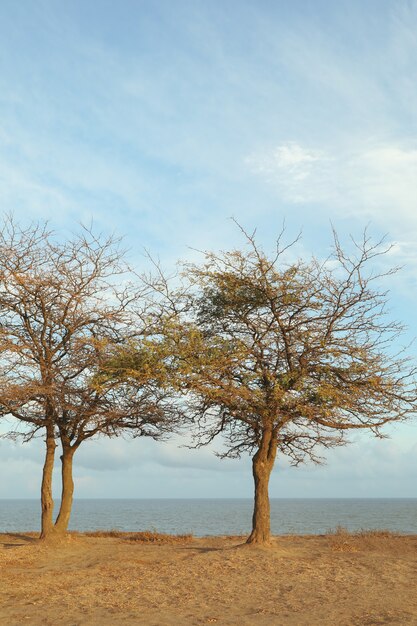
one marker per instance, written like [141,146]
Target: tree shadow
[23,540]
[204,549]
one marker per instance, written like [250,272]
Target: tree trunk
[47,502]
[262,464]
[63,518]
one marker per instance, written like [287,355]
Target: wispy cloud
[296,171]
[372,181]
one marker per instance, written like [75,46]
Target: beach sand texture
[365,579]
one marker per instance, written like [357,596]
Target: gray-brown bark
[262,465]
[63,518]
[47,502]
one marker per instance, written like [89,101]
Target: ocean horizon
[219,516]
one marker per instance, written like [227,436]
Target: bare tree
[65,308]
[286,358]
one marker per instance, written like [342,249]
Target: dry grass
[343,540]
[146,536]
[113,578]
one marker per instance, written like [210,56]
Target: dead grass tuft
[116,534]
[377,534]
[149,536]
[146,536]
[342,540]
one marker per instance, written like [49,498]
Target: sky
[160,120]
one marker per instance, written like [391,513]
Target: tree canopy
[286,356]
[65,308]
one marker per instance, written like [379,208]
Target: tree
[66,307]
[286,358]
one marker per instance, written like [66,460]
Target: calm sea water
[221,516]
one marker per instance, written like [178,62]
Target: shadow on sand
[23,540]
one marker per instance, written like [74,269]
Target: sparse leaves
[68,310]
[288,357]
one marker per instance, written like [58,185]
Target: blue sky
[160,120]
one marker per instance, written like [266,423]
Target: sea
[221,516]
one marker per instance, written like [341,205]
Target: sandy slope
[337,580]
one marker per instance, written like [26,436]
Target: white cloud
[367,467]
[386,178]
[294,170]
[376,181]
[291,155]
[288,158]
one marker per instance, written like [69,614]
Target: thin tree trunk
[47,502]
[262,464]
[63,518]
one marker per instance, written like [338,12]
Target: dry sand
[336,579]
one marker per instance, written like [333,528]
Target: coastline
[219,516]
[114,578]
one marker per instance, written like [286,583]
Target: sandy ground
[336,579]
